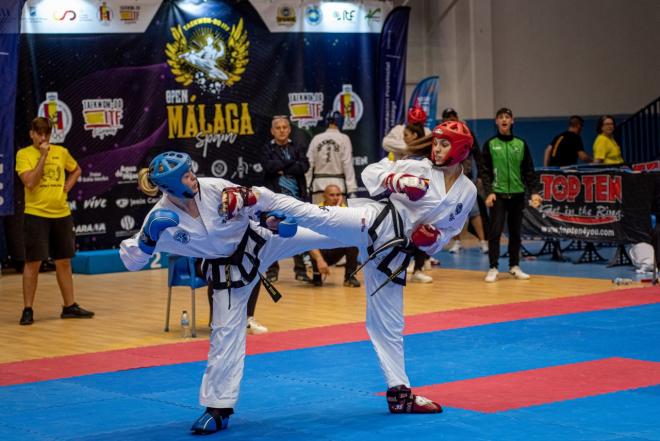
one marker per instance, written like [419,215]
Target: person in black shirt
[567,147]
[285,164]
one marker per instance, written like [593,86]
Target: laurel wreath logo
[203,57]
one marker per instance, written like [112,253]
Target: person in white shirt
[186,221]
[427,203]
[330,157]
[394,142]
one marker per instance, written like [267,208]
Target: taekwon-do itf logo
[59,115]
[208,52]
[349,104]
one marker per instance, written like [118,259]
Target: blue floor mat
[329,393]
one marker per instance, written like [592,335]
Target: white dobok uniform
[373,224]
[210,237]
[330,157]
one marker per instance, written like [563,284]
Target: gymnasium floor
[565,355]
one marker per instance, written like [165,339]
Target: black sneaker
[75,311]
[27,318]
[317,280]
[352,282]
[272,277]
[303,277]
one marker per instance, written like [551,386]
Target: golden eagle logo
[201,55]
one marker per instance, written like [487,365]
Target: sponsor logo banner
[365,17]
[87,17]
[606,205]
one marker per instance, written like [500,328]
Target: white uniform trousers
[224,370]
[350,226]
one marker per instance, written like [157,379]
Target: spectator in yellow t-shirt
[48,172]
[606,149]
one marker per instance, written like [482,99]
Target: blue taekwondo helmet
[166,171]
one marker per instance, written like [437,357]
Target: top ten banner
[134,16]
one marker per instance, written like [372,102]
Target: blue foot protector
[207,424]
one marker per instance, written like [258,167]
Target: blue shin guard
[207,423]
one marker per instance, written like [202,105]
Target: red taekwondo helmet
[460,138]
[416,115]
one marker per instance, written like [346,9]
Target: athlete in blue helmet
[186,222]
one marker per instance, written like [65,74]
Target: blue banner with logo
[425,96]
[123,81]
[392,69]
[10,15]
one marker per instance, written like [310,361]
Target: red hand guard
[412,186]
[424,235]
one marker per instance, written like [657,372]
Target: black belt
[402,247]
[237,260]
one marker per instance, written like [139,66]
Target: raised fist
[412,186]
[424,235]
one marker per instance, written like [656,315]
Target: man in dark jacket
[508,172]
[285,164]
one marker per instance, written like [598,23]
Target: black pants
[511,207]
[334,255]
[299,267]
[420,258]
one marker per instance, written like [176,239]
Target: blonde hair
[144,183]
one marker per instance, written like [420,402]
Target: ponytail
[145,184]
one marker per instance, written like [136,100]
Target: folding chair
[181,272]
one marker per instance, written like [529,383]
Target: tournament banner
[392,66]
[10,14]
[425,96]
[605,205]
[125,80]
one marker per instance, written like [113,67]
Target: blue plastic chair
[181,272]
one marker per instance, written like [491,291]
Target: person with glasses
[606,149]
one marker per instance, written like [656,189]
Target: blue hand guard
[157,222]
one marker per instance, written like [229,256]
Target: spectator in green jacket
[508,173]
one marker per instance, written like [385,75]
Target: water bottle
[622,281]
[185,325]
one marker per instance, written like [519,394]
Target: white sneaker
[484,246]
[420,277]
[254,327]
[434,261]
[411,267]
[427,265]
[491,276]
[518,273]
[456,247]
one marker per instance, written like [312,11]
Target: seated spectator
[322,259]
[606,149]
[567,147]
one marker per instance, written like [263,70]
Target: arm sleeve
[374,174]
[349,170]
[486,172]
[23,163]
[70,164]
[273,164]
[599,148]
[309,175]
[462,218]
[527,171]
[393,141]
[300,164]
[131,255]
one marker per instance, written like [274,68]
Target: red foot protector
[503,392]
